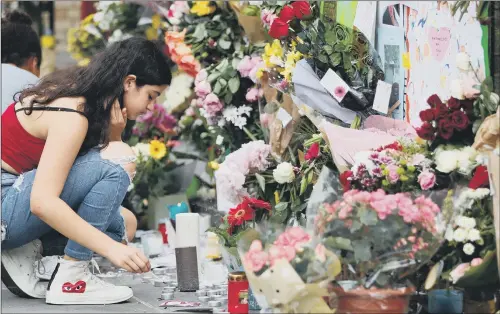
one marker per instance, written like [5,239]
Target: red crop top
[21,150]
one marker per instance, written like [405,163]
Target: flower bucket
[361,301]
[445,301]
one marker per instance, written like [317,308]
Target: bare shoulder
[75,103]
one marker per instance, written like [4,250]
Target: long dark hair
[101,83]
[19,40]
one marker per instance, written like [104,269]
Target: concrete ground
[145,300]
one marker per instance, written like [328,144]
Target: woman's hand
[118,122]
[129,258]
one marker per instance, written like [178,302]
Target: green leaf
[310,177]
[217,88]
[367,217]
[303,185]
[338,243]
[221,67]
[362,250]
[235,63]
[356,225]
[330,37]
[323,58]
[328,49]
[299,207]
[213,76]
[223,82]
[261,181]
[228,98]
[335,59]
[234,84]
[224,44]
[281,206]
[200,32]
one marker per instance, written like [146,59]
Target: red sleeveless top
[21,150]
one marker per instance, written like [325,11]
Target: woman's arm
[64,139]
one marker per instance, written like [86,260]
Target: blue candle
[178,208]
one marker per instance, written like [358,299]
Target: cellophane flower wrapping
[288,267]
[381,238]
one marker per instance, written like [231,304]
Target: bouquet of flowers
[114,21]
[180,53]
[289,268]
[381,237]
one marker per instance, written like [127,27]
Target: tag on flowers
[284,117]
[335,85]
[382,97]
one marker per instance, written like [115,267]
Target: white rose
[141,149]
[474,235]
[457,90]
[446,161]
[284,173]
[461,221]
[470,223]
[468,249]
[459,235]
[463,61]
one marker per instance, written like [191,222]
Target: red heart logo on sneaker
[78,287]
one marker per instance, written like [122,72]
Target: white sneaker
[18,273]
[45,267]
[73,283]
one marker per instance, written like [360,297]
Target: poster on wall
[390,46]
[433,38]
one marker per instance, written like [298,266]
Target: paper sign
[406,60]
[382,96]
[335,85]
[284,117]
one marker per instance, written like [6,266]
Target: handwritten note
[439,40]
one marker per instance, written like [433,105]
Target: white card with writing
[335,85]
[284,117]
[382,97]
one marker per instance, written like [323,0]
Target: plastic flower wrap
[288,268]
[381,237]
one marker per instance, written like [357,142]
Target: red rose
[445,128]
[427,115]
[453,103]
[312,152]
[460,120]
[434,100]
[278,29]
[287,14]
[441,110]
[345,180]
[301,9]
[426,131]
[480,178]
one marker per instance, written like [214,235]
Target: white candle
[187,230]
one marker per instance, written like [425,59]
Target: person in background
[65,169]
[21,55]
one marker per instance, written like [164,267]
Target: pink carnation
[253,94]
[245,66]
[256,258]
[267,17]
[212,105]
[426,179]
[393,175]
[201,76]
[294,237]
[277,252]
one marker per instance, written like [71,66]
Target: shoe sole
[60,301]
[11,285]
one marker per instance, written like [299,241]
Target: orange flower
[175,37]
[189,65]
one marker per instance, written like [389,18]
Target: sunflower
[157,149]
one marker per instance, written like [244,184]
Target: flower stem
[249,134]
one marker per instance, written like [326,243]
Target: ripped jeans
[95,188]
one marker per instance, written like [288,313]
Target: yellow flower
[89,19]
[202,8]
[156,21]
[214,165]
[151,33]
[48,41]
[157,149]
[276,197]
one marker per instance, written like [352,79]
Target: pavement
[145,300]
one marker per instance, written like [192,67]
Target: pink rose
[476,262]
[426,180]
[393,175]
[201,76]
[320,251]
[459,271]
[202,89]
[267,17]
[245,66]
[277,252]
[256,258]
[212,104]
[253,94]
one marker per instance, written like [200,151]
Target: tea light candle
[159,283]
[152,243]
[168,289]
[214,303]
[167,296]
[204,299]
[201,293]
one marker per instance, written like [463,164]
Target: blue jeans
[95,189]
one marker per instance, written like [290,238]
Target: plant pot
[361,301]
[445,301]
